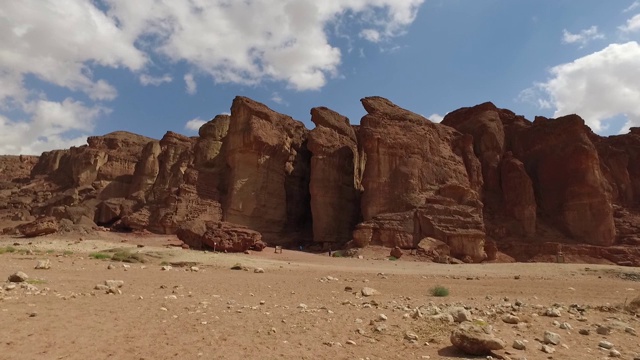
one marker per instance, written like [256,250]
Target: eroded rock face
[335,179]
[111,158]
[39,227]
[408,158]
[484,124]
[220,236]
[569,185]
[519,198]
[454,216]
[268,175]
[427,172]
[484,170]
[620,163]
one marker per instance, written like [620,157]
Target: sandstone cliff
[483,181]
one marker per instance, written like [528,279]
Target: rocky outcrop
[219,236]
[110,158]
[454,216]
[484,181]
[570,188]
[16,168]
[419,180]
[39,227]
[484,124]
[408,158]
[268,175]
[335,177]
[620,163]
[518,196]
[389,230]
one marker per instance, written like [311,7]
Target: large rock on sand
[43,226]
[220,236]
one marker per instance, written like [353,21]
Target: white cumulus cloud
[583,37]
[632,24]
[598,87]
[251,41]
[194,124]
[65,42]
[147,80]
[48,126]
[436,118]
[191,85]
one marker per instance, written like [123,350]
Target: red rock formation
[268,175]
[219,236]
[415,164]
[484,124]
[39,227]
[565,168]
[334,184]
[408,158]
[517,189]
[496,170]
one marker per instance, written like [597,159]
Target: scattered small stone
[43,265]
[603,330]
[259,271]
[380,328]
[33,314]
[350,342]
[166,268]
[303,306]
[547,349]
[553,312]
[519,345]
[410,336]
[460,314]
[614,353]
[194,269]
[18,277]
[382,317]
[605,344]
[551,338]
[114,283]
[367,291]
[510,319]
[110,267]
[584,332]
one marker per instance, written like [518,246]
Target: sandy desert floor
[303,306]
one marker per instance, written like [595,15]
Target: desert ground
[302,306]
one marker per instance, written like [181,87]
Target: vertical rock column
[335,197]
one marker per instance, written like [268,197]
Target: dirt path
[297,309]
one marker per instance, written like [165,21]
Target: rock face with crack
[483,183]
[421,180]
[268,171]
[335,177]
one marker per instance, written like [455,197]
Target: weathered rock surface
[220,236]
[39,227]
[335,177]
[570,187]
[519,198]
[475,339]
[483,183]
[408,158]
[268,175]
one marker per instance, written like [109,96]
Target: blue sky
[74,68]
